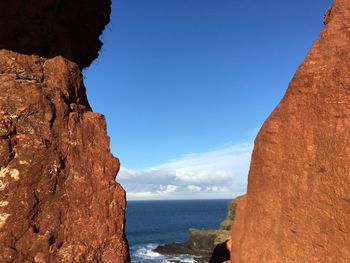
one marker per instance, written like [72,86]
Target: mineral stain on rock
[296,209]
[59,201]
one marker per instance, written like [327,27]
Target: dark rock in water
[183,249]
[207,239]
[203,241]
[297,206]
[174,249]
[48,28]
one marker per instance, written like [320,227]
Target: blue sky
[186,84]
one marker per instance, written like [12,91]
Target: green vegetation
[207,239]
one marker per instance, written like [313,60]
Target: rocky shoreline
[202,241]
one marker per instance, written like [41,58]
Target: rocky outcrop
[297,208]
[59,201]
[206,239]
[54,27]
[230,216]
[203,241]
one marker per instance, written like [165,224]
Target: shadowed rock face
[297,208]
[59,201]
[70,28]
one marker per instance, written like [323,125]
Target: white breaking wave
[147,251]
[145,254]
[183,259]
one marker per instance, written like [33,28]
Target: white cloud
[167,189]
[221,173]
[193,188]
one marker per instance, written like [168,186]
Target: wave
[182,259]
[146,251]
[145,254]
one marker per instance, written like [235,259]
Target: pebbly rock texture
[69,28]
[297,208]
[59,201]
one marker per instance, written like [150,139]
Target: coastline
[202,242]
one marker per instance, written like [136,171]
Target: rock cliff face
[59,201]
[297,208]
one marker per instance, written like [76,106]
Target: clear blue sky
[191,76]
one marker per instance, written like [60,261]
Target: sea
[153,223]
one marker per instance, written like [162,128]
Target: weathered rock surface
[297,208]
[59,201]
[69,28]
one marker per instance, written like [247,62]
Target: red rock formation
[70,28]
[297,207]
[59,201]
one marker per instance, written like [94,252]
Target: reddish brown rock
[59,201]
[69,28]
[297,208]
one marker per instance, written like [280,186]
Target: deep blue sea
[152,223]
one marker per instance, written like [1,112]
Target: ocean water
[153,223]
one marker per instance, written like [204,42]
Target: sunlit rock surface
[59,201]
[298,204]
